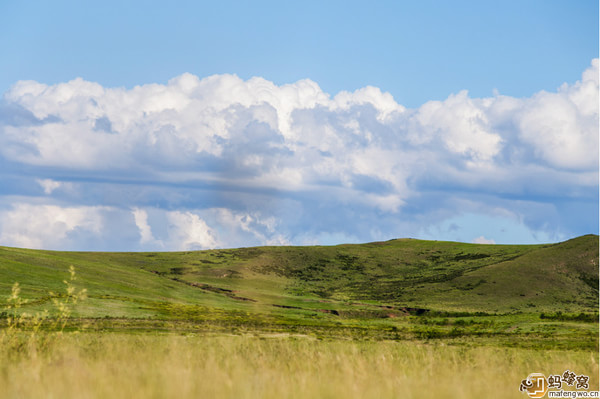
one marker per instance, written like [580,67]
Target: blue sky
[184,125]
[417,51]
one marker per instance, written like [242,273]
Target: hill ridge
[401,273]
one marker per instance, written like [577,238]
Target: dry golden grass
[96,365]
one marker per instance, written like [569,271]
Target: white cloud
[383,102]
[59,227]
[461,124]
[188,232]
[244,228]
[49,185]
[562,127]
[47,226]
[232,155]
[190,118]
[141,221]
[483,240]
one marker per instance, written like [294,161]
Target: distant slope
[393,277]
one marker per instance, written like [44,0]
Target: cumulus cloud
[188,232]
[562,127]
[140,217]
[47,226]
[461,124]
[203,229]
[483,240]
[49,185]
[194,158]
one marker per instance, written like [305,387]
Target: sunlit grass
[96,365]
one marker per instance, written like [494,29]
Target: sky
[130,125]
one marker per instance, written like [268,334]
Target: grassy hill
[380,285]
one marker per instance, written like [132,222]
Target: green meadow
[402,318]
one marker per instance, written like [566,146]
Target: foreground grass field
[113,365]
[403,318]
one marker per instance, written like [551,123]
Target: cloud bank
[223,162]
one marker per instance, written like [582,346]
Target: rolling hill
[392,278]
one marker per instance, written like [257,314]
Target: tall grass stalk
[23,331]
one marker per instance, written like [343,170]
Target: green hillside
[380,284]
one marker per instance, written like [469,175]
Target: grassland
[402,318]
[204,366]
